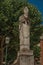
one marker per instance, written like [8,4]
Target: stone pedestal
[26,57]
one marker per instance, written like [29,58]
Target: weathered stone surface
[25,54]
[24,28]
[26,58]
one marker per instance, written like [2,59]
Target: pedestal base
[26,58]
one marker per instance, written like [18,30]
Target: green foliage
[35,29]
[10,10]
[36,51]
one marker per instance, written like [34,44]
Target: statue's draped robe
[24,33]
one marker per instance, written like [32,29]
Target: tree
[35,29]
[37,54]
[37,49]
[9,15]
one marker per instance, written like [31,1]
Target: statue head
[26,11]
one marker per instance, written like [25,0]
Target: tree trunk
[1,50]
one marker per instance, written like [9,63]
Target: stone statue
[25,55]
[24,27]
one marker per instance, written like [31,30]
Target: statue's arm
[20,22]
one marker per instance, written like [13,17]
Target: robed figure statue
[24,28]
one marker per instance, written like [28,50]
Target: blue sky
[38,4]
